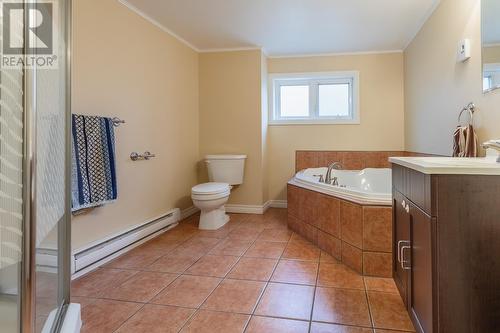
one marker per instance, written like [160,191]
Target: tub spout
[334,165]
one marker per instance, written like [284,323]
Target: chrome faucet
[328,177]
[493,144]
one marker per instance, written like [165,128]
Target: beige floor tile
[105,316]
[326,258]
[333,328]
[388,312]
[301,250]
[276,325]
[187,291]
[231,247]
[216,322]
[295,271]
[258,269]
[339,276]
[157,319]
[173,263]
[271,250]
[211,265]
[286,301]
[275,235]
[137,258]
[386,285]
[341,306]
[247,233]
[238,296]
[141,287]
[94,283]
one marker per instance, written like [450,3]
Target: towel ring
[471,108]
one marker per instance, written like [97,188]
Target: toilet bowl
[210,199]
[224,171]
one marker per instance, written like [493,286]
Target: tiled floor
[253,275]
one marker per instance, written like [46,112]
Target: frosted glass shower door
[48,99]
[11,194]
[34,167]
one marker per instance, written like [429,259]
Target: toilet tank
[226,168]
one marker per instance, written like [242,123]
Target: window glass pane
[334,100]
[294,101]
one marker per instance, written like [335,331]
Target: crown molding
[306,55]
[231,49]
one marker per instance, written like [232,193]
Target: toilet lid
[210,188]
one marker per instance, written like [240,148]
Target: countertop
[450,165]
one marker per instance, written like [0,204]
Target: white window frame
[313,80]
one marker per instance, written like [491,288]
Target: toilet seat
[210,191]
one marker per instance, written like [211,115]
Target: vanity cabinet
[446,249]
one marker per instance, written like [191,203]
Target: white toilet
[223,172]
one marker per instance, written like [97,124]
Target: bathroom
[271,166]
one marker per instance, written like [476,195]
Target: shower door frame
[28,272]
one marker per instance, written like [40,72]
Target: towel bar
[146,156]
[117,121]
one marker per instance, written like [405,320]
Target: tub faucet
[335,181]
[334,165]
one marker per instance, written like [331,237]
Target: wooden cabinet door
[401,236]
[420,257]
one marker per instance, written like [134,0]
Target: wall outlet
[464,50]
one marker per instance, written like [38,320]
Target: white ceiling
[491,23]
[290,27]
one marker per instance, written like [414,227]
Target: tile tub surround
[359,236]
[350,160]
[277,282]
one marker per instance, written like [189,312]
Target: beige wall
[437,87]
[126,67]
[381,108]
[231,117]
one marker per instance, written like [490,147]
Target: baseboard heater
[98,251]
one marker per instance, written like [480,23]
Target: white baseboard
[115,255]
[245,209]
[185,213]
[277,203]
[102,251]
[255,209]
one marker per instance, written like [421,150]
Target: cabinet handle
[403,261]
[407,208]
[399,250]
[403,203]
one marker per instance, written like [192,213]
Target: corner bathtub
[365,187]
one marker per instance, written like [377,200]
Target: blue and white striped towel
[93,180]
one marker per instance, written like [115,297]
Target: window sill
[313,122]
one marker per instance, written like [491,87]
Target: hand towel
[465,142]
[93,162]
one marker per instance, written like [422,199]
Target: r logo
[38,30]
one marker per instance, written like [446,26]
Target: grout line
[126,320]
[314,294]
[369,308]
[210,294]
[259,299]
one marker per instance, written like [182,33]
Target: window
[314,98]
[487,82]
